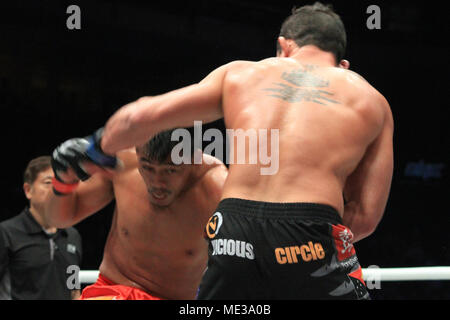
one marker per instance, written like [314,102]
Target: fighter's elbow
[367,230]
[120,126]
[372,221]
[366,227]
[114,128]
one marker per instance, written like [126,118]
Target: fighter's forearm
[130,126]
[138,121]
[357,221]
[60,210]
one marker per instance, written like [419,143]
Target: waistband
[102,280]
[104,288]
[279,210]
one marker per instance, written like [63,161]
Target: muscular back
[327,118]
[335,130]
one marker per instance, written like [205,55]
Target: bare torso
[326,119]
[161,251]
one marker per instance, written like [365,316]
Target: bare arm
[136,122]
[89,197]
[213,183]
[367,188]
[215,178]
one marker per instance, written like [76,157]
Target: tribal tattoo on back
[302,85]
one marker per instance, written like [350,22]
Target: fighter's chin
[159,201]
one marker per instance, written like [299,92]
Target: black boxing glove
[95,153]
[71,154]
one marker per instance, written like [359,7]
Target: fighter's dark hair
[317,25]
[159,147]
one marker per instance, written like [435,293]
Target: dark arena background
[57,83]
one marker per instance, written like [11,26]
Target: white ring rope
[88,276]
[369,274]
[407,274]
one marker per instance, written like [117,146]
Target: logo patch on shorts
[343,238]
[214,224]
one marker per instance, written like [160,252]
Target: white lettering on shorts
[229,247]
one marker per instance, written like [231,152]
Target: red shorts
[105,289]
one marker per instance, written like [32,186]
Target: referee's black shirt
[33,264]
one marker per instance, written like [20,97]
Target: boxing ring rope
[407,274]
[369,274]
[88,276]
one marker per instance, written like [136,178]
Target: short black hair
[34,167]
[317,25]
[159,147]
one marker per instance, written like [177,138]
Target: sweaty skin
[335,130]
[159,249]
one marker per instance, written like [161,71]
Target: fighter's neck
[313,55]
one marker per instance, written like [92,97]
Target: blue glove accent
[98,157]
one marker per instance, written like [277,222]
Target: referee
[34,256]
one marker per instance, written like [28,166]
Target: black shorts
[260,250]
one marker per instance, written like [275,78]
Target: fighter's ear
[285,47]
[344,64]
